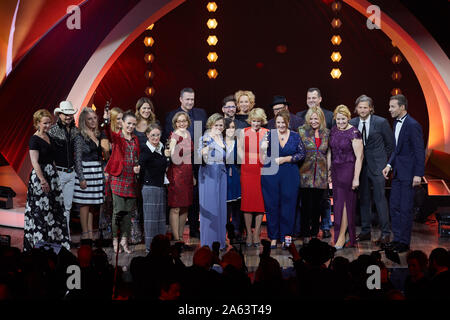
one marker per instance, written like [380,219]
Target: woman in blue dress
[212,184]
[233,177]
[280,183]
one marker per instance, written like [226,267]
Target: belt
[63,169]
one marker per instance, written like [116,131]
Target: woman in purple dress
[345,155]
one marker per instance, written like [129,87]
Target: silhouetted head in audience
[317,252]
[203,258]
[269,270]
[232,258]
[439,261]
[417,264]
[160,245]
[341,265]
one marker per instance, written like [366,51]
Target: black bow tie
[396,120]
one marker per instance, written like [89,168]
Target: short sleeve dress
[44,219]
[342,171]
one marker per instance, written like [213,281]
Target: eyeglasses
[155,135]
[229,107]
[181,121]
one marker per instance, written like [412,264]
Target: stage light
[396,75]
[149,74]
[396,91]
[149,41]
[336,56]
[212,57]
[336,23]
[336,6]
[150,91]
[396,59]
[212,23]
[211,6]
[93,107]
[212,40]
[212,73]
[336,73]
[149,57]
[150,27]
[336,40]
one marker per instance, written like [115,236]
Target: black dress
[44,212]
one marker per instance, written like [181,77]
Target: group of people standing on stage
[213,171]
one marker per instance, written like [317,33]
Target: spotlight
[336,73]
[212,40]
[212,73]
[336,40]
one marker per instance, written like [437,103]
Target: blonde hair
[177,115]
[342,109]
[319,112]
[257,114]
[114,114]
[249,94]
[38,115]
[82,122]
[213,119]
[285,115]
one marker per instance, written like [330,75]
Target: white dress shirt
[360,126]
[398,127]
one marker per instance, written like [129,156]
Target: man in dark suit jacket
[378,141]
[278,104]
[408,164]
[187,99]
[313,99]
[198,119]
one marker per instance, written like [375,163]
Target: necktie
[364,133]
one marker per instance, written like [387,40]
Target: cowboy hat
[65,107]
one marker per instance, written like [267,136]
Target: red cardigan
[114,166]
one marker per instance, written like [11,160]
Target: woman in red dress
[252,202]
[180,174]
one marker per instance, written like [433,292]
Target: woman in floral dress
[44,211]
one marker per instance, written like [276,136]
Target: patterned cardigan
[315,160]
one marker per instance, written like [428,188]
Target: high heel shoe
[343,246]
[124,244]
[256,243]
[249,237]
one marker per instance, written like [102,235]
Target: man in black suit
[407,162]
[378,141]
[313,99]
[279,103]
[198,119]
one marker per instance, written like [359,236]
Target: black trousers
[311,209]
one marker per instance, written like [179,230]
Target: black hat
[279,100]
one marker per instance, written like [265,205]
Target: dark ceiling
[249,33]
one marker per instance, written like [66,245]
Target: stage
[424,237]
